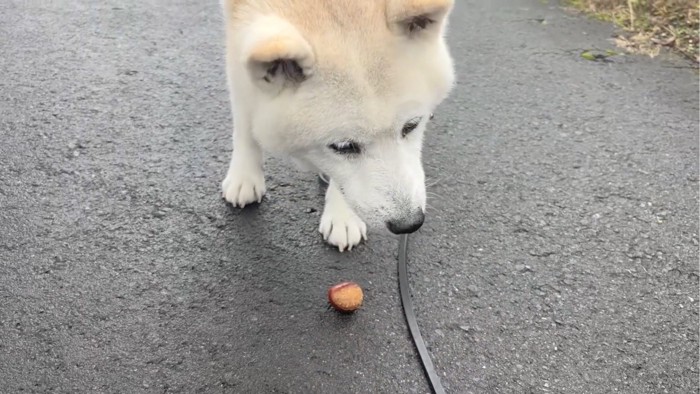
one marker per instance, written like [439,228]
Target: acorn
[345,297]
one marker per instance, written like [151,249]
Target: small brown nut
[346,296]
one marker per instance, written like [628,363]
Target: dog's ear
[276,54]
[416,18]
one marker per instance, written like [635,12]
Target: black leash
[405,291]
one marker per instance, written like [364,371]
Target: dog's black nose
[407,225]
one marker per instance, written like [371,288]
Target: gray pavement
[560,253]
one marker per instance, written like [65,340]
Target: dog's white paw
[241,188]
[341,227]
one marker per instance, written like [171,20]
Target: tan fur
[398,10]
[338,28]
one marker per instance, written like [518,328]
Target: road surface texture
[560,253]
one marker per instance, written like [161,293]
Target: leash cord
[410,315]
[405,292]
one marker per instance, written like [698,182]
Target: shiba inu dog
[345,88]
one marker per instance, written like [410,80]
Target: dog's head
[347,90]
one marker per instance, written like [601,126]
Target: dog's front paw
[243,188]
[341,227]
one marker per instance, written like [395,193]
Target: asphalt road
[560,253]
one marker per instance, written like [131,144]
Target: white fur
[361,83]
[340,226]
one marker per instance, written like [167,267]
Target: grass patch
[650,25]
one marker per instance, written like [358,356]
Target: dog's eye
[346,148]
[410,126]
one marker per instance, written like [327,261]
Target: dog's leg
[245,181]
[340,226]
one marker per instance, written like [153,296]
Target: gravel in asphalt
[560,252]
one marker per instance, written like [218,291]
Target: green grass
[650,25]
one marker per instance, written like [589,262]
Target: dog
[343,88]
